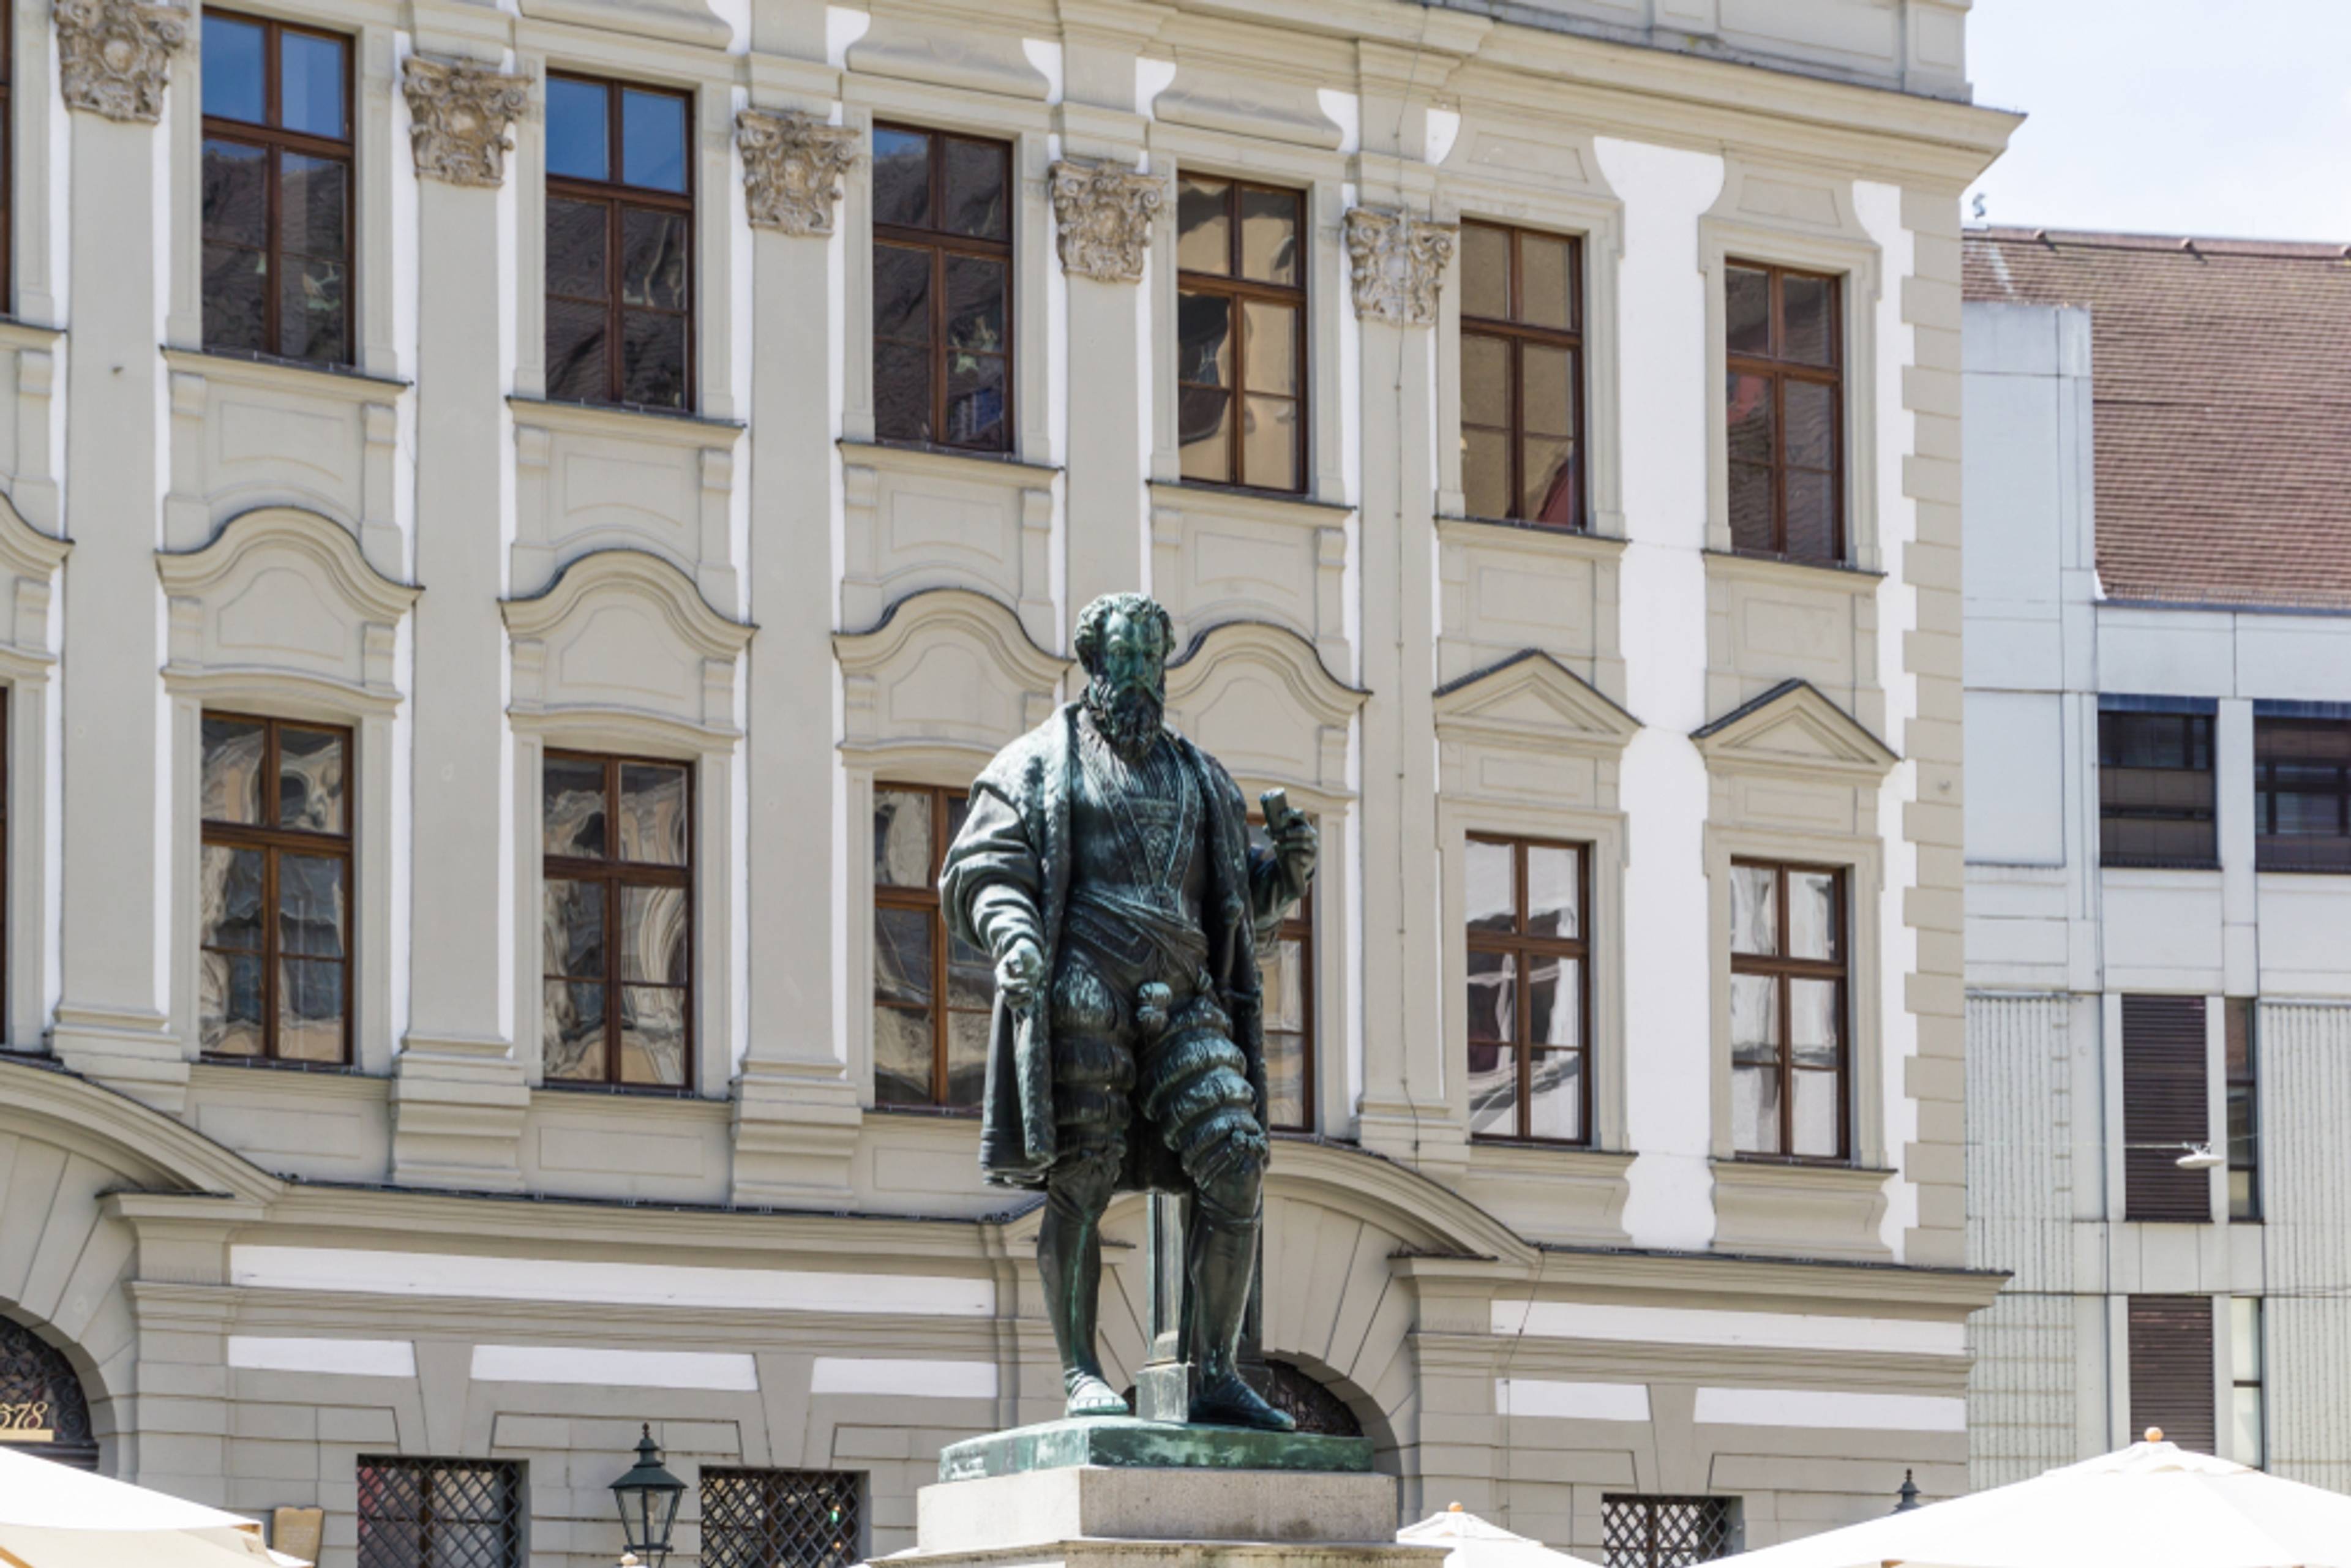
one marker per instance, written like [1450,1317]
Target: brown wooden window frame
[1525,947]
[276,141]
[1298,925]
[1778,372]
[1783,967]
[1236,288]
[2167,1107]
[616,196]
[271,842]
[1516,335]
[941,244]
[925,898]
[2169,1351]
[615,874]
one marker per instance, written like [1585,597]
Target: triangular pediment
[1794,726]
[1530,698]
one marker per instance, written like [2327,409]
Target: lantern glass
[648,1498]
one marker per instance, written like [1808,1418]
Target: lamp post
[648,1497]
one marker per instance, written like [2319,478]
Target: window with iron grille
[779,1519]
[1667,1531]
[439,1513]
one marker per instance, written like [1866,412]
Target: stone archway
[42,1408]
[1315,1407]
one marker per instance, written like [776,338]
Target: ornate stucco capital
[115,55]
[792,165]
[1106,212]
[462,112]
[1398,261]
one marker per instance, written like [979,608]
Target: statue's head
[1124,641]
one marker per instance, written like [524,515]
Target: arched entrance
[41,1405]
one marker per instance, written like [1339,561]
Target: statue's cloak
[1016,835]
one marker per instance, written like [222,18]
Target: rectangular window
[617,901]
[276,189]
[1526,995]
[1286,973]
[1788,1011]
[2247,1429]
[2171,1369]
[932,994]
[2164,1109]
[1521,375]
[779,1519]
[439,1513]
[619,244]
[2155,789]
[1783,346]
[274,891]
[941,290]
[1240,330]
[1667,1531]
[2302,794]
[2244,1110]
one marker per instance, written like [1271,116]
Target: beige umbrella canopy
[55,1517]
[2152,1505]
[1478,1545]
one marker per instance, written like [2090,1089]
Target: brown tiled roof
[2221,386]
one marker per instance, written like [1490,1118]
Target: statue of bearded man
[1105,867]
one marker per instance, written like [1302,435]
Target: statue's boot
[1223,1260]
[1069,1255]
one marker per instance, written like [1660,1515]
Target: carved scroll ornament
[1398,260]
[114,56]
[1106,212]
[461,112]
[792,165]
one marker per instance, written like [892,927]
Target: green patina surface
[1125,1443]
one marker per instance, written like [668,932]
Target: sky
[2219,117]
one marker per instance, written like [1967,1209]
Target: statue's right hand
[1020,972]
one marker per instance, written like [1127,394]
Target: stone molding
[114,56]
[792,165]
[1397,262]
[1105,211]
[463,110]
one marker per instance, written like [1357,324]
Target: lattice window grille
[779,1519]
[1666,1532]
[439,1513]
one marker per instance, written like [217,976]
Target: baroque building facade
[521,542]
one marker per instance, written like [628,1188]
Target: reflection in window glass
[1784,399]
[1525,996]
[619,245]
[1788,1011]
[1240,304]
[943,289]
[933,995]
[1521,371]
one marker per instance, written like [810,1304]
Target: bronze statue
[1105,867]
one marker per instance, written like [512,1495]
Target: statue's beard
[1126,716]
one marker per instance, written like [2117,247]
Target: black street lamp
[648,1497]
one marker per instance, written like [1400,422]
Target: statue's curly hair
[1095,618]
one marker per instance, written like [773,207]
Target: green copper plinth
[1124,1443]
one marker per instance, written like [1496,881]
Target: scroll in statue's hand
[1295,843]
[1020,972]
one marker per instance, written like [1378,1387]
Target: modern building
[2159,732]
[524,520]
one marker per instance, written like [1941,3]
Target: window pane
[1285,1080]
[1493,1090]
[310,323]
[314,206]
[1548,400]
[1554,890]
[575,247]
[902,183]
[902,1056]
[1812,1024]
[572,792]
[653,258]
[234,86]
[1812,914]
[975,296]
[966,1059]
[1812,516]
[1485,381]
[572,937]
[1546,282]
[1811,411]
[653,367]
[310,1010]
[654,816]
[1282,975]
[902,837]
[577,145]
[2245,1338]
[2245,1427]
[976,400]
[1754,1018]
[975,190]
[1750,508]
[234,750]
[1204,340]
[310,82]
[1271,334]
[1746,311]
[1493,996]
[971,977]
[1816,1115]
[1810,326]
[310,780]
[652,1036]
[902,293]
[1269,443]
[310,910]
[236,300]
[1754,1110]
[228,1004]
[1269,236]
[1754,910]
[655,927]
[1489,882]
[1485,271]
[1748,406]
[653,139]
[1204,422]
[229,898]
[1555,1000]
[1549,469]
[575,351]
[1486,473]
[235,193]
[1555,1096]
[901,955]
[571,1031]
[1203,234]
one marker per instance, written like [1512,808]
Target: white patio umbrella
[52,1516]
[2152,1505]
[1478,1545]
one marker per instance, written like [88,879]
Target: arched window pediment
[625,641]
